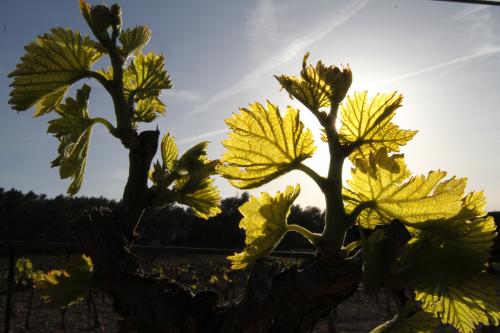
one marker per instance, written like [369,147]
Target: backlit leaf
[190,176]
[393,196]
[447,252]
[196,189]
[408,322]
[169,152]
[65,287]
[264,222]
[319,86]
[193,158]
[146,76]
[263,145]
[465,305]
[148,109]
[367,125]
[133,40]
[51,64]
[107,73]
[73,130]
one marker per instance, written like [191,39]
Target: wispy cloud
[262,30]
[481,27]
[203,136]
[469,11]
[184,95]
[484,52]
[291,51]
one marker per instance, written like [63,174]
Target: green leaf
[393,196]
[319,86]
[263,145]
[169,152]
[191,174]
[24,271]
[133,40]
[380,252]
[367,125]
[107,73]
[407,321]
[192,159]
[73,130]
[448,252]
[148,109]
[65,287]
[196,189]
[51,64]
[146,76]
[172,169]
[464,305]
[264,222]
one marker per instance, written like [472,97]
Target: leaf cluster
[185,179]
[428,236]
[58,59]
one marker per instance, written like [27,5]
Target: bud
[101,21]
[339,80]
[318,86]
[116,15]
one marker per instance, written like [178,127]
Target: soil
[359,314]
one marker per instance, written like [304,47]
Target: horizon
[239,195]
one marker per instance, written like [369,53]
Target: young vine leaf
[148,109]
[73,130]
[367,125]
[447,252]
[52,63]
[186,180]
[264,222]
[133,40]
[197,190]
[146,76]
[392,196]
[264,145]
[409,321]
[62,288]
[169,152]
[143,80]
[464,305]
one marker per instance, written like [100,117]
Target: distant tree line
[35,217]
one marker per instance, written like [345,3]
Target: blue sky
[443,57]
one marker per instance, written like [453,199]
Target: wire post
[10,287]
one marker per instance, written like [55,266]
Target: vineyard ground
[359,314]
[352,317]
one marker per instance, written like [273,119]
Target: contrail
[479,54]
[292,51]
[203,136]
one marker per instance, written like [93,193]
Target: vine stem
[336,223]
[319,180]
[312,237]
[106,123]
